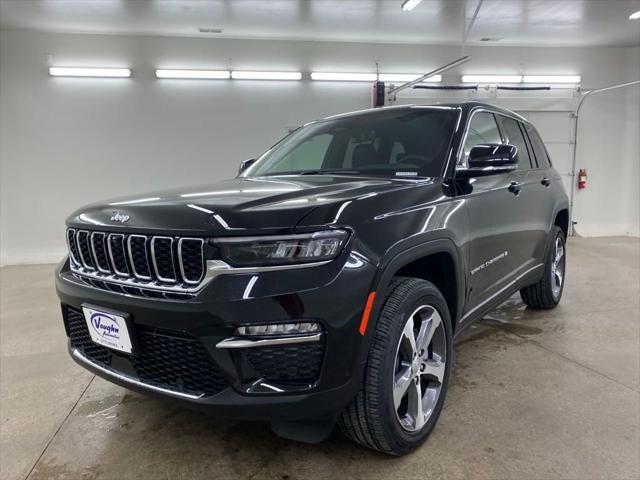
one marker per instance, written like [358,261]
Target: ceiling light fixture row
[316,76]
[541,79]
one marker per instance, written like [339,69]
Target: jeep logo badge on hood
[119,217]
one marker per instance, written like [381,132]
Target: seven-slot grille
[147,260]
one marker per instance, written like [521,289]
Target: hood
[237,206]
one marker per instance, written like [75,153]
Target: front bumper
[332,295]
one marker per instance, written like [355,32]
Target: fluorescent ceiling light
[343,77]
[635,15]
[196,74]
[407,77]
[551,79]
[240,75]
[491,78]
[88,72]
[409,5]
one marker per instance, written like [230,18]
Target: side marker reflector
[366,313]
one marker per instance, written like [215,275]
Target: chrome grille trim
[145,287]
[73,258]
[79,247]
[92,242]
[155,264]
[184,277]
[132,262]
[113,262]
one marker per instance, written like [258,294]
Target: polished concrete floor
[535,394]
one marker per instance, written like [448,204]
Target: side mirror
[246,164]
[490,159]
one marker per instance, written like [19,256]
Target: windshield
[396,142]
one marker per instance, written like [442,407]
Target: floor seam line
[46,447]
[586,367]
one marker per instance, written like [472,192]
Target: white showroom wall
[66,142]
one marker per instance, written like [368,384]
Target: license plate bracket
[109,328]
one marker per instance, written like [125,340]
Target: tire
[547,292]
[373,418]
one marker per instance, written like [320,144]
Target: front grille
[139,261]
[295,363]
[117,255]
[100,251]
[138,255]
[82,240]
[165,359]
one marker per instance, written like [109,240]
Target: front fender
[391,264]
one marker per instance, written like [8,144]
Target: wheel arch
[561,220]
[437,261]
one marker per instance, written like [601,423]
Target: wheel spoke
[427,328]
[414,406]
[559,251]
[410,337]
[558,274]
[402,381]
[434,368]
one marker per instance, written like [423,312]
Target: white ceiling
[515,22]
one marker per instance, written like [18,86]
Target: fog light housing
[279,329]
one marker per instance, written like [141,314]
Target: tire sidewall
[557,233]
[427,296]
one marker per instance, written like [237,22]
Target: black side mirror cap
[490,159]
[246,164]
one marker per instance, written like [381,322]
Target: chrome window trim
[83,261]
[93,249]
[204,266]
[71,256]
[460,154]
[239,342]
[131,380]
[132,263]
[124,251]
[475,110]
[155,265]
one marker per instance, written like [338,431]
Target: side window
[482,129]
[309,155]
[538,148]
[516,138]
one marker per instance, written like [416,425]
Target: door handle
[545,181]
[515,187]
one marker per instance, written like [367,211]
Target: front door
[499,240]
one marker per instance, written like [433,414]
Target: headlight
[282,250]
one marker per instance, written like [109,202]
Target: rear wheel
[407,371]
[548,291]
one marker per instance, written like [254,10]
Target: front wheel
[407,371]
[548,291]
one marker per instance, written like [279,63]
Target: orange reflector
[366,313]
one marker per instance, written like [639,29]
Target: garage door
[556,130]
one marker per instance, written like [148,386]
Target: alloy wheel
[557,267]
[420,364]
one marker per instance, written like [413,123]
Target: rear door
[533,219]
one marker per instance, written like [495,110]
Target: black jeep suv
[326,282]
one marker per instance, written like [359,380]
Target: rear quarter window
[539,149]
